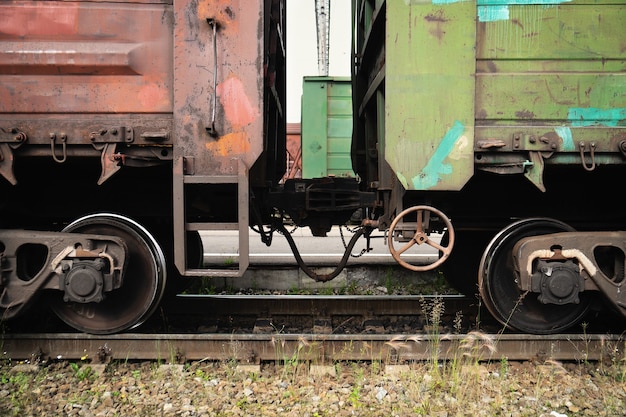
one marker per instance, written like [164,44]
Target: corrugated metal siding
[326,127]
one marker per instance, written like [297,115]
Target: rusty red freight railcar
[125,127]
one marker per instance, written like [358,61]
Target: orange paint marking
[236,143]
[151,96]
[237,107]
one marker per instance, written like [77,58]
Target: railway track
[320,329]
[317,348]
[256,348]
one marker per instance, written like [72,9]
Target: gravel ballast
[295,388]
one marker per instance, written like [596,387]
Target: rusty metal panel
[228,106]
[429,93]
[218,100]
[85,57]
[294,152]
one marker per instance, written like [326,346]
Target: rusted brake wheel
[418,235]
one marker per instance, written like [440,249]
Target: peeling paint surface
[232,111]
[565,133]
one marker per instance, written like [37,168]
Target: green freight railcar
[502,125]
[326,127]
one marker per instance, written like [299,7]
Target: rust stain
[438,16]
[237,106]
[517,22]
[525,114]
[224,11]
[438,19]
[236,143]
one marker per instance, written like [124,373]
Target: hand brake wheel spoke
[406,247]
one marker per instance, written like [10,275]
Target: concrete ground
[275,268]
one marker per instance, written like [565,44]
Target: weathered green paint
[506,86]
[566,31]
[535,62]
[326,127]
[554,73]
[547,96]
[429,86]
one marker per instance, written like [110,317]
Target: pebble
[381,394]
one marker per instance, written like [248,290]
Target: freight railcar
[125,128]
[501,124]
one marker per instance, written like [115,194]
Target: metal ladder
[181,225]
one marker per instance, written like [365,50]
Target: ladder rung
[210,179]
[213,272]
[212,226]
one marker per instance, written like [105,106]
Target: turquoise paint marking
[493,13]
[519,2]
[565,133]
[435,167]
[503,3]
[591,116]
[494,10]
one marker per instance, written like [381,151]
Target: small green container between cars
[326,127]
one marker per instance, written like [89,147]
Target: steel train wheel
[144,282]
[501,295]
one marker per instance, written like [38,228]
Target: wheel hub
[84,282]
[557,282]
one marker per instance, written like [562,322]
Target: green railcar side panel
[530,96]
[430,88]
[535,29]
[326,127]
[551,76]
[502,86]
[555,63]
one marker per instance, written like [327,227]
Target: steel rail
[305,304]
[317,348]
